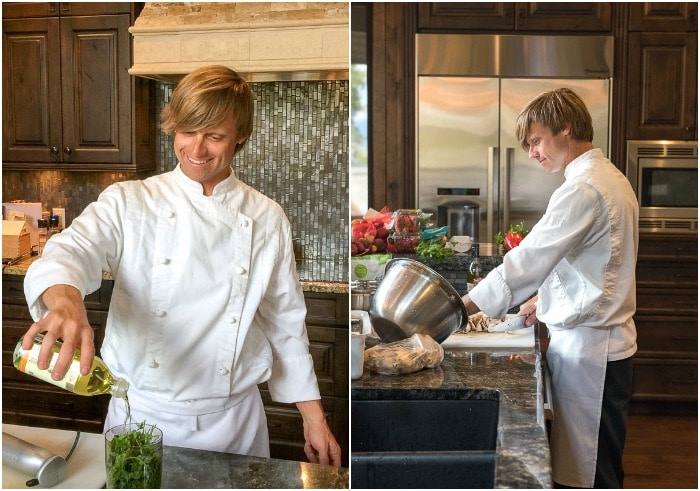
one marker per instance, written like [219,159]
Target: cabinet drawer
[39,403]
[659,379]
[667,302]
[672,334]
[682,247]
[327,309]
[13,289]
[16,321]
[286,427]
[13,293]
[667,274]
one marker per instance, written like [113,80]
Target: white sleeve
[79,254]
[567,225]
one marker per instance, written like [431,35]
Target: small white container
[357,355]
[461,243]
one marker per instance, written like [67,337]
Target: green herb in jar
[134,459]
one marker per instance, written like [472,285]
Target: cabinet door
[662,91]
[461,16]
[564,16]
[96,89]
[664,16]
[31,90]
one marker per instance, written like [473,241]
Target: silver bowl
[412,298]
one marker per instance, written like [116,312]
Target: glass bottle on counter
[98,381]
[53,226]
[43,231]
[476,272]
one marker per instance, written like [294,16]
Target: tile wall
[297,155]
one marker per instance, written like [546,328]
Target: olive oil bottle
[98,381]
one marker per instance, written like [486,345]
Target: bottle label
[28,365]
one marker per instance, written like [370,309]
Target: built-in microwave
[664,176]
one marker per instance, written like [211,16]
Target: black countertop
[186,468]
[514,377]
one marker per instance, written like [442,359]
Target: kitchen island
[510,375]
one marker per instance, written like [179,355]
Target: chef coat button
[233,320]
[160,313]
[223,371]
[169,213]
[240,270]
[244,223]
[153,364]
[164,260]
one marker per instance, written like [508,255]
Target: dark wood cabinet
[665,366]
[69,102]
[466,15]
[329,344]
[525,16]
[662,92]
[28,401]
[664,16]
[662,71]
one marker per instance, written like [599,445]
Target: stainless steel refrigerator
[470,90]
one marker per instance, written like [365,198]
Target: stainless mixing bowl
[412,298]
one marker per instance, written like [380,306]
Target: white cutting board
[522,338]
[85,469]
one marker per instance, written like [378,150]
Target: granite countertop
[20,268]
[512,375]
[189,468]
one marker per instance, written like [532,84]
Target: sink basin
[424,440]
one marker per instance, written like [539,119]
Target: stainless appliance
[470,90]
[43,467]
[664,176]
[462,219]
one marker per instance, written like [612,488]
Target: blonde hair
[205,98]
[556,109]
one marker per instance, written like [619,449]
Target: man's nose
[198,144]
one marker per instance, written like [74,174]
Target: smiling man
[580,258]
[207,303]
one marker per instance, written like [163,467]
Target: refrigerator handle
[491,194]
[510,158]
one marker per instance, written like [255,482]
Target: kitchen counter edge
[20,269]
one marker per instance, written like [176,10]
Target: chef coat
[580,258]
[206,303]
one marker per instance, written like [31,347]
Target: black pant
[613,425]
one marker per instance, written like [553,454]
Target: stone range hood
[264,42]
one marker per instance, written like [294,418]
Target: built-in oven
[664,176]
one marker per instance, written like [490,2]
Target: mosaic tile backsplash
[297,155]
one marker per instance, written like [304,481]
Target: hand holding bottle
[67,320]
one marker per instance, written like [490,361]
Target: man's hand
[67,320]
[472,308]
[529,309]
[321,446]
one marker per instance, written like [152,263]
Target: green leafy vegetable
[434,250]
[134,459]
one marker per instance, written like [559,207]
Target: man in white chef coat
[580,258]
[206,303]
